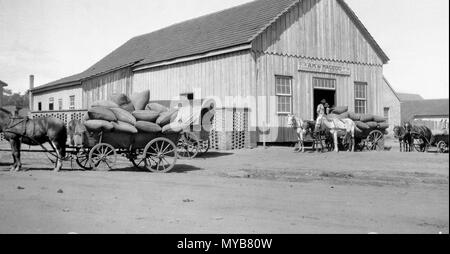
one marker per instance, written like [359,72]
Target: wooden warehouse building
[288,54]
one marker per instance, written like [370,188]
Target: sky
[52,39]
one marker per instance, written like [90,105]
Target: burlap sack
[119,99]
[124,116]
[344,115]
[124,127]
[372,125]
[366,118]
[98,125]
[339,110]
[167,117]
[146,115]
[148,127]
[383,126]
[362,126]
[140,100]
[105,104]
[157,108]
[128,107]
[101,113]
[379,119]
[354,117]
[173,128]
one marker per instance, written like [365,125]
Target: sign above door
[324,68]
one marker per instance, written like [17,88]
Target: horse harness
[25,122]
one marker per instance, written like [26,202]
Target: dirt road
[250,191]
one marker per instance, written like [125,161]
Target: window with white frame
[60,104]
[283,86]
[72,102]
[361,97]
[387,113]
[51,103]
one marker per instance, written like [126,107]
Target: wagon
[156,152]
[371,141]
[423,144]
[195,140]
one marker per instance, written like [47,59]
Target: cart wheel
[204,146]
[137,159]
[103,157]
[420,143]
[375,141]
[83,159]
[442,147]
[160,155]
[188,148]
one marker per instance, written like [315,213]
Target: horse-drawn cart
[195,141]
[423,143]
[155,152]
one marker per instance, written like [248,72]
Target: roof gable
[225,29]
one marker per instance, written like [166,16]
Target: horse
[419,135]
[404,138]
[76,133]
[33,132]
[338,128]
[301,128]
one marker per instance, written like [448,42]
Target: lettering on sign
[324,68]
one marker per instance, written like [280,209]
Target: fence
[230,126]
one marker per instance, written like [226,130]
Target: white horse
[301,128]
[338,128]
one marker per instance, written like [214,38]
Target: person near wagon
[321,110]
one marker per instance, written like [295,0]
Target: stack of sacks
[134,115]
[365,123]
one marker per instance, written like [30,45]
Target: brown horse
[33,132]
[404,138]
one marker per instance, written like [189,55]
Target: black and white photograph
[202,117]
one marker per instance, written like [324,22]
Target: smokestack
[31,82]
[30,94]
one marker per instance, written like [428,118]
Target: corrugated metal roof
[225,29]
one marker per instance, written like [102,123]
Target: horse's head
[408,127]
[398,133]
[292,121]
[5,117]
[76,133]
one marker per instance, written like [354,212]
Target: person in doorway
[320,113]
[327,109]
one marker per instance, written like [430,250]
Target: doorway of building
[319,95]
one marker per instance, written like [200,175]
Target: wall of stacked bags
[229,128]
[365,123]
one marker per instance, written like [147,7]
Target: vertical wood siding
[271,65]
[222,76]
[99,88]
[318,29]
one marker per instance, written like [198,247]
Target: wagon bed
[156,152]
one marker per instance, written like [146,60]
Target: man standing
[320,113]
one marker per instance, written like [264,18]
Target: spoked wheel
[83,159]
[188,147]
[420,143]
[375,141]
[204,146]
[160,155]
[137,159]
[102,157]
[442,147]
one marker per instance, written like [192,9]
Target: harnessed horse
[33,132]
[338,127]
[302,128]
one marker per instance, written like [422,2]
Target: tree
[15,99]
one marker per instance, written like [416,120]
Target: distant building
[409,97]
[2,84]
[400,108]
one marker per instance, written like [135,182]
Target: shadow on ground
[210,155]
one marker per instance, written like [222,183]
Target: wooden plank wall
[225,75]
[318,29]
[99,88]
[270,65]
